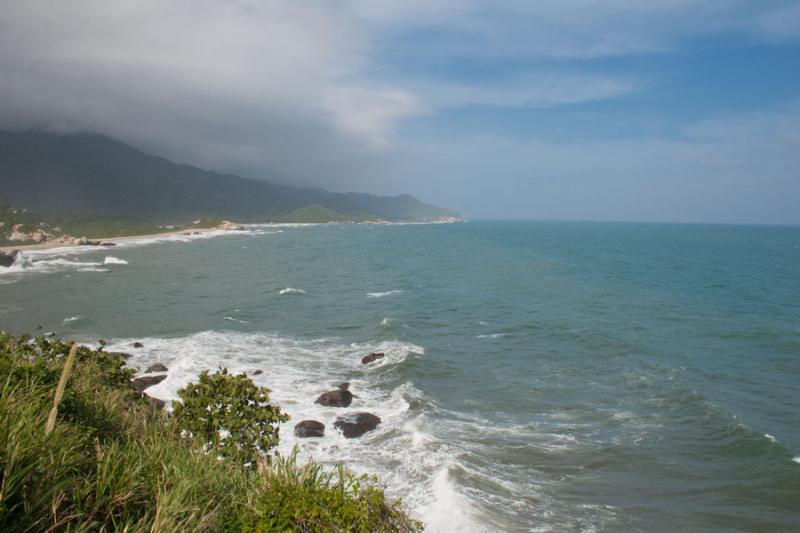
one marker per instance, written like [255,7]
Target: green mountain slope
[94,175]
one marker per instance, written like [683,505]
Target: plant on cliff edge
[229,415]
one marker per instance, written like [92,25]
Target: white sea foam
[63,258]
[449,510]
[401,450]
[796,459]
[291,290]
[491,336]
[382,294]
[232,319]
[386,321]
[71,319]
[28,262]
[770,437]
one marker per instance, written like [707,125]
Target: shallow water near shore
[538,376]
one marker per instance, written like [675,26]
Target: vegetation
[96,176]
[77,226]
[314,213]
[113,463]
[229,416]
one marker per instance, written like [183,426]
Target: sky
[651,110]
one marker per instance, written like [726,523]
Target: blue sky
[671,110]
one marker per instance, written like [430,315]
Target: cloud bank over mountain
[600,108]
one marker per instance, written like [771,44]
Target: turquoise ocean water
[538,376]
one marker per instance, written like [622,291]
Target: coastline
[52,245]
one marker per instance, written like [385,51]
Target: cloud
[254,86]
[317,93]
[371,112]
[782,23]
[559,29]
[740,168]
[542,90]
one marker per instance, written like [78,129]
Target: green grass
[113,464]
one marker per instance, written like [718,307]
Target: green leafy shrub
[229,415]
[110,464]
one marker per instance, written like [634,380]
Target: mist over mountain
[95,175]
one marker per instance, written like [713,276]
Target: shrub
[229,415]
[111,465]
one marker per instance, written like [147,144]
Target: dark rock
[154,405]
[7,258]
[309,428]
[140,384]
[344,385]
[158,367]
[138,345]
[258,372]
[108,244]
[124,355]
[356,424]
[335,398]
[371,357]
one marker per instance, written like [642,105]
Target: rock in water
[140,384]
[258,372]
[372,357]
[356,424]
[309,428]
[158,367]
[123,355]
[7,258]
[335,398]
[138,345]
[344,385]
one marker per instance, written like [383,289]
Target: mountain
[94,175]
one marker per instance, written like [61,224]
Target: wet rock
[356,424]
[258,372]
[335,398]
[309,428]
[142,383]
[138,345]
[157,367]
[108,244]
[7,258]
[372,357]
[123,355]
[345,385]
[154,405]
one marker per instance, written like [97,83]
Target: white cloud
[232,85]
[741,168]
[781,23]
[561,28]
[370,113]
[543,90]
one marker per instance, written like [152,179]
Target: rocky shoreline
[351,424]
[69,241]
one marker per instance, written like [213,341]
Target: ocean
[539,376]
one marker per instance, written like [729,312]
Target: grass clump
[113,464]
